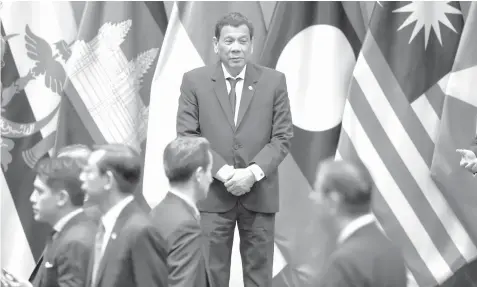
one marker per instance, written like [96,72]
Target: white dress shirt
[227,169]
[187,200]
[109,219]
[62,222]
[355,225]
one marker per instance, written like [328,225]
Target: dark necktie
[232,94]
[98,254]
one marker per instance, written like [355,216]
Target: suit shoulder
[198,72]
[169,216]
[269,71]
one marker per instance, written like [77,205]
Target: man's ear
[63,197]
[108,185]
[215,43]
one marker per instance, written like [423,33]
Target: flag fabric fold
[315,44]
[457,129]
[188,45]
[391,123]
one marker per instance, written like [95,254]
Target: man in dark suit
[188,166]
[364,255]
[243,110]
[129,251]
[57,200]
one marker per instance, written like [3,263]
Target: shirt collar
[187,199]
[240,75]
[62,222]
[109,219]
[354,226]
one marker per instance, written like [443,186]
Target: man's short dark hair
[77,151]
[351,180]
[183,156]
[234,19]
[123,162]
[62,174]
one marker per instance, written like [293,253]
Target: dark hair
[234,19]
[183,156]
[77,151]
[62,174]
[124,163]
[351,180]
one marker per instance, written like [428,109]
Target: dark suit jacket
[176,222]
[262,134]
[65,262]
[367,258]
[135,257]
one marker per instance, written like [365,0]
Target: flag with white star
[391,123]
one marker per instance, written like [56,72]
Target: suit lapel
[251,78]
[221,92]
[118,226]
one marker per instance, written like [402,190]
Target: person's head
[233,41]
[113,170]
[57,189]
[188,161]
[77,151]
[344,188]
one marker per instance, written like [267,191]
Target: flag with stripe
[32,77]
[187,45]
[390,122]
[99,77]
[457,130]
[110,71]
[315,44]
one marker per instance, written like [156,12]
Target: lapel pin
[250,88]
[113,236]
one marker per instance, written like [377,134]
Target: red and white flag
[187,45]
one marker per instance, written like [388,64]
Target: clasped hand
[240,181]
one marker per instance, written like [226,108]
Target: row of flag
[389,83]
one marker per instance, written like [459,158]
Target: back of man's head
[76,151]
[123,162]
[183,156]
[62,174]
[352,183]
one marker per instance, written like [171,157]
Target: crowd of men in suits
[233,130]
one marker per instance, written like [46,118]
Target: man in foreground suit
[57,199]
[129,251]
[188,164]
[243,110]
[364,256]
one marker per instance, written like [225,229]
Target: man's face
[44,202]
[234,46]
[206,177]
[94,182]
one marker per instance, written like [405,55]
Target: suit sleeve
[185,256]
[187,122]
[72,264]
[149,259]
[272,154]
